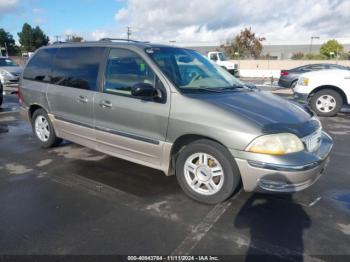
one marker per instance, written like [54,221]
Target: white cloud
[37,10]
[121,15]
[8,6]
[216,21]
[97,34]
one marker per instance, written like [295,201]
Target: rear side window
[39,66]
[77,67]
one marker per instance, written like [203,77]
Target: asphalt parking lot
[73,200]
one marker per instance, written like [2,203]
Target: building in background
[275,51]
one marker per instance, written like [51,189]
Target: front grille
[312,142]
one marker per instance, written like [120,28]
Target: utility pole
[7,53]
[69,37]
[58,37]
[312,38]
[128,32]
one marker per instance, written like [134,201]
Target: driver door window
[124,69]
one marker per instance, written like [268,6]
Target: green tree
[331,49]
[297,56]
[6,39]
[32,38]
[246,44]
[75,39]
[39,38]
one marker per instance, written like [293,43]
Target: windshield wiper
[233,87]
[208,89]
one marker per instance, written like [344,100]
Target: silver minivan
[171,109]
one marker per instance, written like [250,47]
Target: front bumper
[234,72]
[10,84]
[288,173]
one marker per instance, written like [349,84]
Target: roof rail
[119,39]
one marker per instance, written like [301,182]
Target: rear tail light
[20,96]
[284,73]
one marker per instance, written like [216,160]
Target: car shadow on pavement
[276,225]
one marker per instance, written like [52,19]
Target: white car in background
[326,91]
[220,59]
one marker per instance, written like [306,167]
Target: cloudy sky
[185,21]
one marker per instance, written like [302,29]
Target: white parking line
[197,234]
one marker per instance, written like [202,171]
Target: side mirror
[144,90]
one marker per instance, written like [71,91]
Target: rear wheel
[207,172]
[43,129]
[294,83]
[326,102]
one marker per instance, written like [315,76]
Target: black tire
[293,84]
[231,174]
[52,140]
[1,95]
[323,93]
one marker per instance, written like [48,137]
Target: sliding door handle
[105,104]
[82,99]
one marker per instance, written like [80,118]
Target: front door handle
[106,104]
[82,99]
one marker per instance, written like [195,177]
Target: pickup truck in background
[220,59]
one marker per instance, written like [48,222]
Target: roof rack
[120,39]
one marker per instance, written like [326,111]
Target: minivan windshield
[190,71]
[7,62]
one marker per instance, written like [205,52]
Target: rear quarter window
[39,66]
[77,67]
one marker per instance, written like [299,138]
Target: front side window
[39,66]
[7,62]
[77,67]
[190,71]
[124,69]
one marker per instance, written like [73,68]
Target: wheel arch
[180,144]
[331,87]
[32,108]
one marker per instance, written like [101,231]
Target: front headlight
[303,81]
[276,144]
[4,73]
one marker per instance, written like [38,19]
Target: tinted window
[317,67]
[213,57]
[7,62]
[125,69]
[338,67]
[39,66]
[77,67]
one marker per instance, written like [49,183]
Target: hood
[227,63]
[12,69]
[271,113]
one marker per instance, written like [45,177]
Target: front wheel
[207,172]
[326,102]
[43,129]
